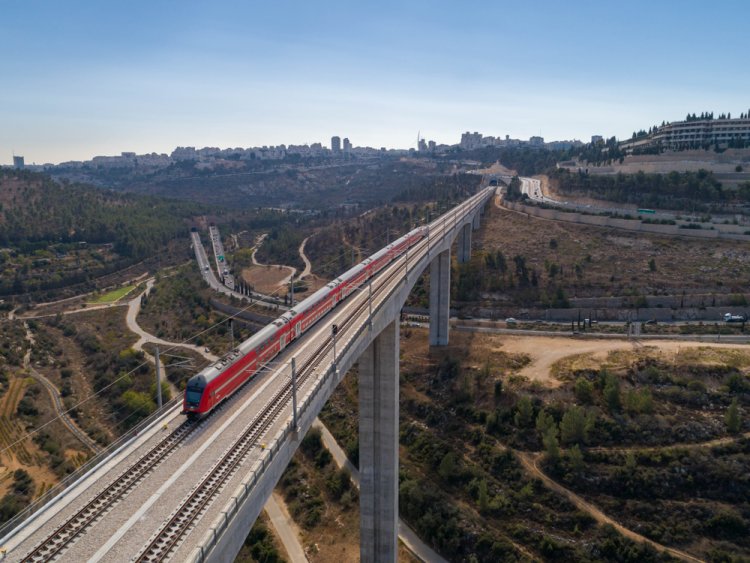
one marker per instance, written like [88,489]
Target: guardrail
[97,460]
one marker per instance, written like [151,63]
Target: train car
[218,381]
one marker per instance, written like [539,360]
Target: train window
[193,395]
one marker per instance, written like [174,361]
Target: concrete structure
[347,146]
[440,298]
[694,134]
[536,142]
[464,243]
[18,162]
[378,447]
[368,334]
[335,145]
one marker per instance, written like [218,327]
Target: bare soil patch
[550,356]
[266,279]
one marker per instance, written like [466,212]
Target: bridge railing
[245,489]
[102,457]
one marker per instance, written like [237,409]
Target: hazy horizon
[87,79]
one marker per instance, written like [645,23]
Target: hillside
[249,184]
[53,234]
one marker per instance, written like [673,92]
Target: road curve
[285,527]
[529,462]
[256,263]
[54,394]
[308,266]
[134,307]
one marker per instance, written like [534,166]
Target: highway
[162,492]
[222,265]
[210,278]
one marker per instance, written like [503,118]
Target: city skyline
[88,79]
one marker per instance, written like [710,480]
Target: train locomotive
[218,381]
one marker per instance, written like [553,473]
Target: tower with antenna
[421,144]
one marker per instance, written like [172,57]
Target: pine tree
[732,418]
[551,445]
[524,412]
[483,496]
[573,426]
[575,459]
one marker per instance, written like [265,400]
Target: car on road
[510,321]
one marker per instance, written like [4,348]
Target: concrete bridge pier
[464,244]
[378,447]
[475,222]
[440,298]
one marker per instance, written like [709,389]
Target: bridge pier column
[378,447]
[440,298]
[475,222]
[464,244]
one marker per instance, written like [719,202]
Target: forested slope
[36,210]
[53,235]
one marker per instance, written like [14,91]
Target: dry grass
[266,279]
[615,262]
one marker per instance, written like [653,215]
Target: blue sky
[78,79]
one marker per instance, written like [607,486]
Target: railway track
[73,527]
[180,523]
[195,504]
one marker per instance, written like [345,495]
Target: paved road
[286,527]
[134,307]
[210,278]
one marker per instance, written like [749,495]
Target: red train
[219,380]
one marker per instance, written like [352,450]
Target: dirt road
[544,351]
[529,462]
[54,394]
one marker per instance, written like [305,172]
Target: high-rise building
[18,162]
[422,147]
[536,141]
[347,146]
[595,139]
[471,140]
[336,144]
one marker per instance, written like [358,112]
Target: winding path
[134,307]
[287,279]
[285,527]
[308,266]
[54,395]
[530,464]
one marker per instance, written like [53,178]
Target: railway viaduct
[209,521]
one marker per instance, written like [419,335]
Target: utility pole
[158,379]
[231,331]
[334,332]
[291,290]
[369,303]
[294,392]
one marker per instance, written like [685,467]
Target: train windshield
[193,394]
